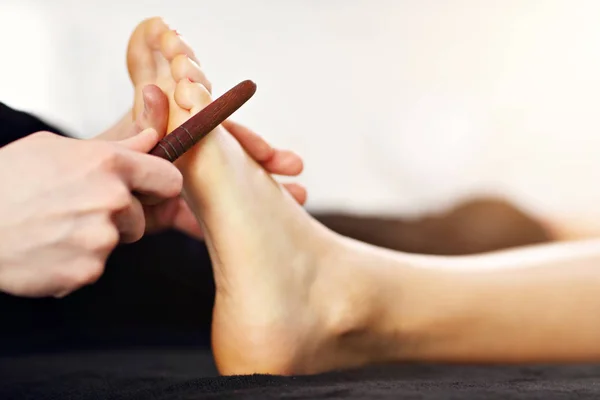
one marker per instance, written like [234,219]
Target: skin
[294,298]
[57,230]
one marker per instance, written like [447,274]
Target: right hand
[66,204]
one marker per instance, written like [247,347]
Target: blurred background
[401,108]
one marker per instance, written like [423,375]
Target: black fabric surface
[142,332]
[189,374]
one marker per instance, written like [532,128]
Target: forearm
[534,305]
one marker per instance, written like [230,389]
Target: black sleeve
[15,125]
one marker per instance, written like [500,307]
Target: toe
[140,59]
[172,44]
[191,96]
[182,67]
[155,29]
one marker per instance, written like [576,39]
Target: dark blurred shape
[475,226]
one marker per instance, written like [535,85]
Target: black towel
[188,373]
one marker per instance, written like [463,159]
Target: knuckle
[119,197]
[43,134]
[112,194]
[106,239]
[93,272]
[87,274]
[109,157]
[67,280]
[97,238]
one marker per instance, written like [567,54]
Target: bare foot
[293,297]
[275,309]
[155,55]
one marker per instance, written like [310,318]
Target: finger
[254,144]
[161,216]
[142,142]
[130,222]
[297,191]
[173,213]
[284,162]
[152,177]
[280,162]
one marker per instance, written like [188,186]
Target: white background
[397,106]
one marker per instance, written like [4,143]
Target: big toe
[144,41]
[142,63]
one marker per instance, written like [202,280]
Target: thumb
[143,141]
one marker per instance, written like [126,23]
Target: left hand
[174,213]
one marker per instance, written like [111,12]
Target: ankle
[356,314]
[389,308]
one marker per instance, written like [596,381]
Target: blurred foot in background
[474,226]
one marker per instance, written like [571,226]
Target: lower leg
[538,304]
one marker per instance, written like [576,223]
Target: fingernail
[176,32]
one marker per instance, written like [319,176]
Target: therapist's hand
[66,204]
[175,213]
